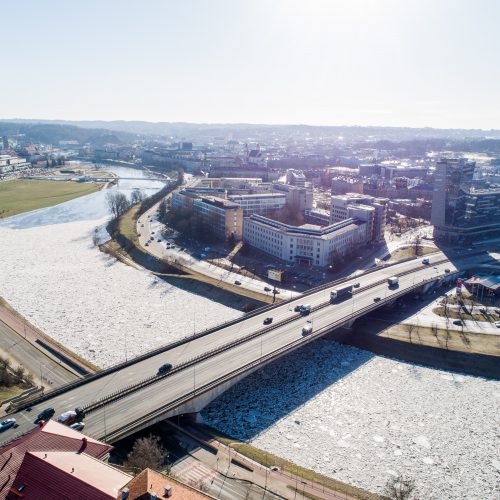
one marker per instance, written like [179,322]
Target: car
[297,308]
[497,324]
[276,291]
[446,270]
[152,232]
[458,322]
[152,238]
[483,310]
[146,244]
[159,240]
[166,367]
[307,328]
[267,289]
[142,225]
[426,261]
[268,321]
[77,426]
[237,282]
[7,424]
[357,285]
[45,415]
[376,299]
[71,416]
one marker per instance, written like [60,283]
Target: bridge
[131,396]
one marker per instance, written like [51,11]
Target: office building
[295,177]
[297,197]
[260,203]
[462,212]
[307,244]
[222,217]
[367,208]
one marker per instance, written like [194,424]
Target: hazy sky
[367,62]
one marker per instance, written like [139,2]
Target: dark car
[237,282]
[268,321]
[45,415]
[146,244]
[458,322]
[159,240]
[356,285]
[164,368]
[267,289]
[376,299]
[7,424]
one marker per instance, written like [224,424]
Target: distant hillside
[243,131]
[51,133]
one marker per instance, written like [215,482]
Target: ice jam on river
[362,418]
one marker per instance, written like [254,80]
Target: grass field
[19,196]
[407,252]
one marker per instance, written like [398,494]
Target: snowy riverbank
[362,418]
[96,306]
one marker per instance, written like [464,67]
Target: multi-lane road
[107,420]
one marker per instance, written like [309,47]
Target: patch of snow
[88,301]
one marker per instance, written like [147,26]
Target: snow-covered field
[362,418]
[91,303]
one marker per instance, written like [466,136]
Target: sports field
[18,196]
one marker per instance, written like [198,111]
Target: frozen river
[335,409]
[90,207]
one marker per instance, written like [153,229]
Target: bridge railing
[187,339]
[302,340]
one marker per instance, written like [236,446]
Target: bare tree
[147,452]
[417,245]
[118,203]
[137,196]
[400,488]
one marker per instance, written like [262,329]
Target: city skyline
[421,64]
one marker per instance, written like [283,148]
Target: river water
[90,207]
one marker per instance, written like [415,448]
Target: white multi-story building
[295,177]
[9,164]
[308,244]
[367,208]
[261,203]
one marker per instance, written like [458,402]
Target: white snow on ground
[362,418]
[91,303]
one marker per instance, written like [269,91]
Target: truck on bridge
[340,294]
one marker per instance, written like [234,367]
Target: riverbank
[21,195]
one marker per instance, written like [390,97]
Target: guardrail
[193,361]
[157,413]
[190,338]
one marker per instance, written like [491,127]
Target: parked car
[7,424]
[483,310]
[146,244]
[77,426]
[142,225]
[446,270]
[45,415]
[268,321]
[159,240]
[267,289]
[357,285]
[497,324]
[237,282]
[458,322]
[376,299]
[166,367]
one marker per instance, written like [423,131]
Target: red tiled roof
[52,436]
